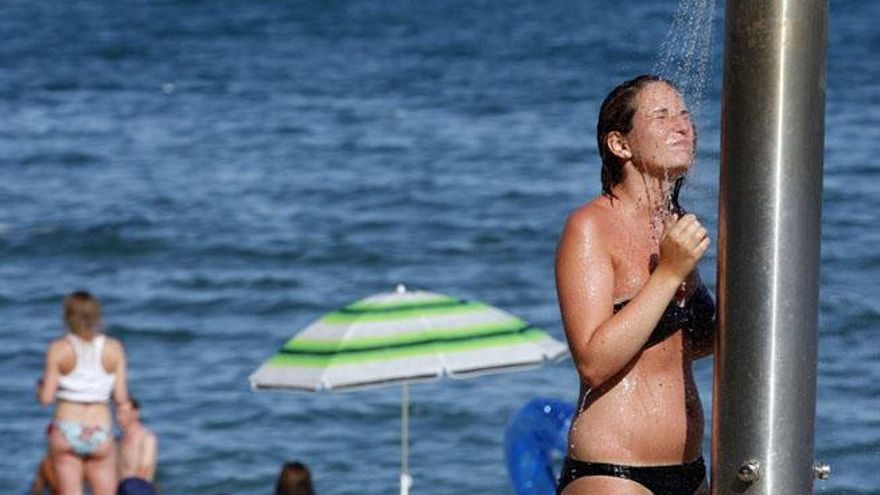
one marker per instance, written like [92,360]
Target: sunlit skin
[99,468]
[137,447]
[643,407]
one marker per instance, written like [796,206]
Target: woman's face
[662,137]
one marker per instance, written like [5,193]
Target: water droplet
[686,51]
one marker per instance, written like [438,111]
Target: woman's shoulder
[60,344]
[113,354]
[590,218]
[61,352]
[112,344]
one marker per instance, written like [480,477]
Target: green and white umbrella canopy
[400,337]
[404,336]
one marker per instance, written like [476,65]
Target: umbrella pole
[405,478]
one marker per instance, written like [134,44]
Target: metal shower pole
[773,112]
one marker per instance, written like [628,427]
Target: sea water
[222,173]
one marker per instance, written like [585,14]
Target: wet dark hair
[294,479]
[616,114]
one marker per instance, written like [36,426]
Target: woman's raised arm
[603,343]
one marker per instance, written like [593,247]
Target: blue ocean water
[221,173]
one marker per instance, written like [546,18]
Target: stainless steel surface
[749,472]
[822,471]
[768,252]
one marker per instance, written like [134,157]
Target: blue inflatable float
[535,436]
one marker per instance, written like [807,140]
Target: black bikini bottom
[677,479]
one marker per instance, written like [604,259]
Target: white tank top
[88,381]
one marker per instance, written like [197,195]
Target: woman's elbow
[120,395]
[590,374]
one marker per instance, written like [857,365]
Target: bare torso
[651,416]
[649,413]
[137,453]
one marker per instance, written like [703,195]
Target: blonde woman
[83,370]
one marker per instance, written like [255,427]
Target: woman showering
[635,312]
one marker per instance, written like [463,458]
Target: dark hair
[294,479]
[616,114]
[134,403]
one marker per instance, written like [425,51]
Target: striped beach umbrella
[401,337]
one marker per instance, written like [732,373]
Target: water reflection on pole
[769,231]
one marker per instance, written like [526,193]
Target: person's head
[82,313]
[644,121]
[129,414]
[294,479]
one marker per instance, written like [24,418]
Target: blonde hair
[82,313]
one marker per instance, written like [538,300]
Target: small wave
[230,421]
[189,304]
[30,352]
[574,154]
[118,238]
[365,257]
[854,447]
[122,51]
[267,282]
[263,253]
[488,239]
[286,306]
[378,148]
[291,130]
[153,333]
[61,85]
[450,50]
[488,108]
[61,158]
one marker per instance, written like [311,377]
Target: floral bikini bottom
[83,439]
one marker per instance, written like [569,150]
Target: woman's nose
[682,123]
